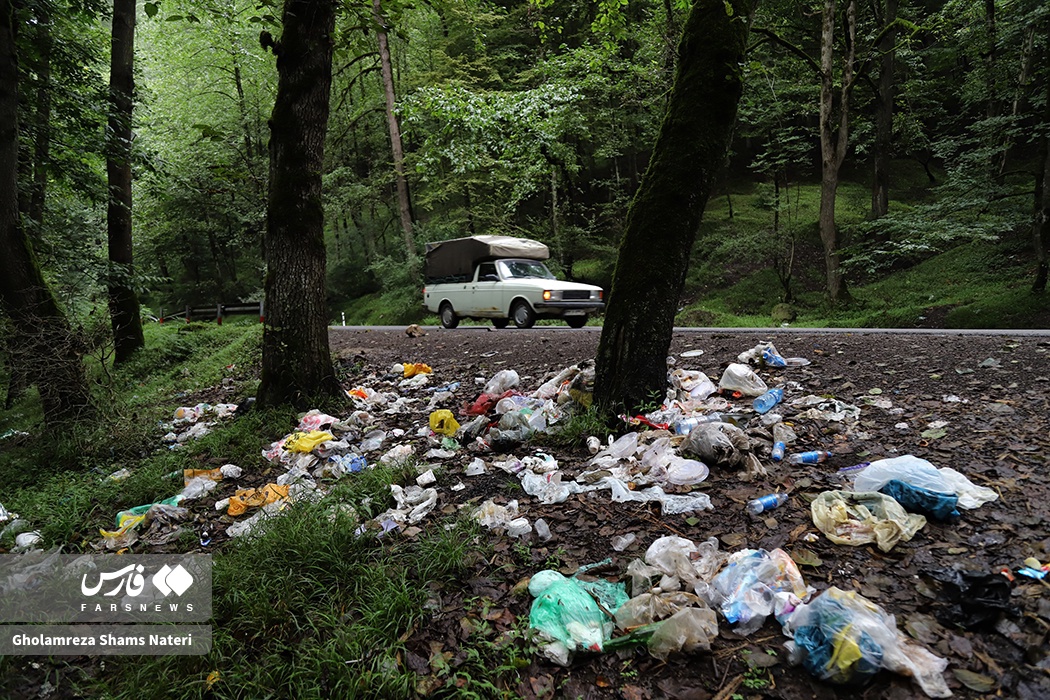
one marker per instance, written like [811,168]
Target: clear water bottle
[685,426]
[767,502]
[768,400]
[780,437]
[814,457]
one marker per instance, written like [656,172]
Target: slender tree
[296,362]
[45,346]
[123,302]
[663,217]
[880,190]
[1041,223]
[404,204]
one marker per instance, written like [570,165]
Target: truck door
[486,296]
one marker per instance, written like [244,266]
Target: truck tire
[522,314]
[448,316]
[500,323]
[576,321]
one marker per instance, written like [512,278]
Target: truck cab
[508,289]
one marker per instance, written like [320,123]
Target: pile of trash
[679,588]
[194,422]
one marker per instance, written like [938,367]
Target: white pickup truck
[503,279]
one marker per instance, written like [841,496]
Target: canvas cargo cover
[457,257]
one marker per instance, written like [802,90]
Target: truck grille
[576,294]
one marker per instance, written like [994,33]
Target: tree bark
[834,138]
[403,201]
[45,347]
[42,137]
[880,189]
[124,312]
[296,362]
[1041,223]
[664,216]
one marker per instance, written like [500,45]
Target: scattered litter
[755,584]
[860,518]
[740,379]
[427,478]
[844,638]
[244,499]
[975,599]
[566,612]
[622,542]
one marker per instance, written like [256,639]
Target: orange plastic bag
[255,498]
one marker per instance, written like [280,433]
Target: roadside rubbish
[765,402]
[863,517]
[825,409]
[768,355]
[915,499]
[782,435]
[566,612]
[811,457]
[413,504]
[622,542]
[922,474]
[742,380]
[26,540]
[755,584]
[767,502]
[306,442]
[676,563]
[411,369]
[444,423]
[244,499]
[692,385]
[723,445]
[844,638]
[975,599]
[543,531]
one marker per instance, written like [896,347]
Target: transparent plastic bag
[501,382]
[687,630]
[740,378]
[564,611]
[843,637]
[755,584]
[860,518]
[907,468]
[717,444]
[695,385]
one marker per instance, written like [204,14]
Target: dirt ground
[988,400]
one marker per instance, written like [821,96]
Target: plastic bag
[907,468]
[860,518]
[679,561]
[444,423]
[719,444]
[411,369]
[932,504]
[696,385]
[740,378]
[647,608]
[756,583]
[501,382]
[306,442]
[976,599]
[687,630]
[843,637]
[970,495]
[315,420]
[566,612]
[244,499]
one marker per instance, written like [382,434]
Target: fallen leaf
[733,539]
[211,680]
[875,392]
[542,686]
[934,434]
[974,681]
[806,557]
[634,692]
[426,686]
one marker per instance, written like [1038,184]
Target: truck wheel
[576,321]
[523,315]
[500,322]
[448,316]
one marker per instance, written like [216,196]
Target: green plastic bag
[566,611]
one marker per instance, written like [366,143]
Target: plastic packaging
[685,425]
[543,530]
[565,612]
[687,630]
[502,381]
[932,504]
[767,502]
[443,422]
[740,378]
[717,444]
[860,518]
[907,468]
[812,457]
[843,637]
[696,386]
[756,583]
[768,400]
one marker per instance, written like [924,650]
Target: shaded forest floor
[990,422]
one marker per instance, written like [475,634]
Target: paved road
[789,330]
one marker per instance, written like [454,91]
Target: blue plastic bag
[915,499]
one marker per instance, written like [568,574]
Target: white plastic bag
[907,468]
[738,377]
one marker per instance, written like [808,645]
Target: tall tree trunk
[42,138]
[990,56]
[45,347]
[403,202]
[1041,223]
[834,138]
[664,216]
[123,302]
[296,362]
[880,188]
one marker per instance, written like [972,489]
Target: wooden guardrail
[218,312]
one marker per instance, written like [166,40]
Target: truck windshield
[522,269]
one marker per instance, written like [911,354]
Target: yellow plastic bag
[189,475]
[254,498]
[306,442]
[414,368]
[444,423]
[864,517]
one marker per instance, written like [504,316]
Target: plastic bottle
[814,457]
[780,438]
[768,400]
[768,502]
[686,425]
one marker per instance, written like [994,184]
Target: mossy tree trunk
[125,317]
[664,216]
[296,363]
[44,348]
[1041,223]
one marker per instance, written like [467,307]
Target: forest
[534,119]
